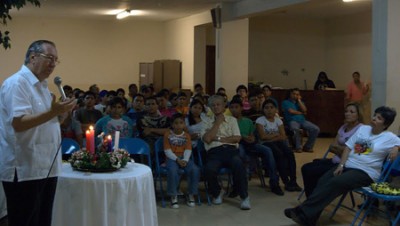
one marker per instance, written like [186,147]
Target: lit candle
[92,146]
[87,140]
[109,143]
[116,140]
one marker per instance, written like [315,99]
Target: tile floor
[267,208]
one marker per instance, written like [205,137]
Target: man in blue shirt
[294,111]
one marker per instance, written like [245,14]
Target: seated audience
[115,121]
[152,125]
[136,112]
[71,128]
[314,170]
[323,82]
[102,106]
[249,145]
[294,111]
[178,150]
[221,136]
[360,165]
[255,110]
[267,91]
[162,105]
[242,91]
[272,133]
[182,106]
[87,115]
[68,91]
[193,125]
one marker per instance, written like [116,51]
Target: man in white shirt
[30,132]
[221,136]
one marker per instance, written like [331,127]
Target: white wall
[103,52]
[291,44]
[349,48]
[179,43]
[232,62]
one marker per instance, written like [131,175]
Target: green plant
[5,7]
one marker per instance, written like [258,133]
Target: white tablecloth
[121,198]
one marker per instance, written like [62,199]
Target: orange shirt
[178,143]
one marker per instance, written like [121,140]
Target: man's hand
[61,107]
[181,163]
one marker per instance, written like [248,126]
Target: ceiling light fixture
[347,0]
[123,14]
[126,13]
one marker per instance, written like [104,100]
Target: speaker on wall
[216,17]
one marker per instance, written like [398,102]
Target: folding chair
[388,169]
[136,146]
[161,169]
[69,146]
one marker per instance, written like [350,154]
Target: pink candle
[88,140]
[92,146]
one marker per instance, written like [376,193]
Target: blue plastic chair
[69,146]
[371,196]
[136,146]
[161,169]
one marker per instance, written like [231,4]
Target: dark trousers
[225,156]
[313,171]
[30,203]
[329,187]
[285,160]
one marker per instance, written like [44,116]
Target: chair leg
[394,223]
[161,192]
[300,195]
[359,213]
[369,204]
[338,205]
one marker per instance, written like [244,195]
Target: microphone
[58,81]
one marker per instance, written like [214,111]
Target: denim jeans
[267,158]
[173,177]
[312,130]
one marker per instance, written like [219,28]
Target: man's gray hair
[214,98]
[36,47]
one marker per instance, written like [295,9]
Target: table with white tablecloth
[121,198]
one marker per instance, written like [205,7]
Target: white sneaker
[174,202]
[218,199]
[245,204]
[190,201]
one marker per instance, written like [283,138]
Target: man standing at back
[30,137]
[294,111]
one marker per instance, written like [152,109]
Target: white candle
[116,140]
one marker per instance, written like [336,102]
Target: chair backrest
[136,146]
[69,146]
[158,149]
[389,167]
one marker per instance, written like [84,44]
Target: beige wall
[349,40]
[393,65]
[232,60]
[338,46]
[179,40]
[103,52]
[292,44]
